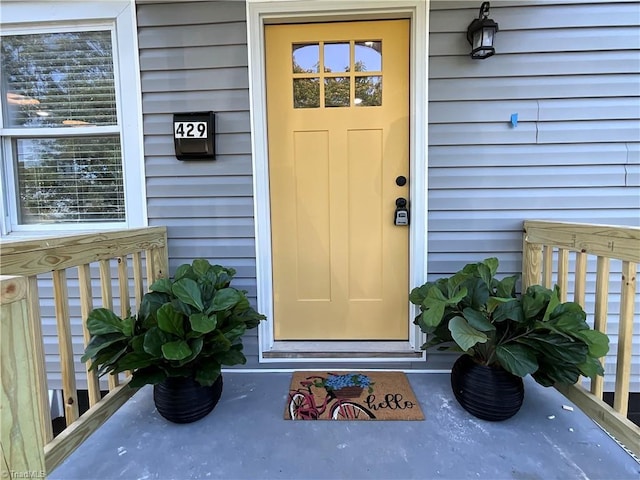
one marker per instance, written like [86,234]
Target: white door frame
[262,12]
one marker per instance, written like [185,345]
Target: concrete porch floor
[245,437]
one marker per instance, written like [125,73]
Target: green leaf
[182,307]
[137,344]
[127,326]
[149,306]
[495,302]
[453,284]
[133,361]
[517,359]
[591,368]
[569,317]
[477,292]
[207,290]
[235,332]
[162,285]
[597,341]
[201,266]
[478,320]
[554,301]
[458,297]
[507,286]
[102,321]
[145,376]
[217,342]
[511,310]
[492,264]
[178,350]
[252,318]
[485,274]
[203,323]
[418,294]
[225,298]
[107,360]
[195,344]
[231,357]
[223,276]
[549,374]
[434,306]
[465,335]
[170,320]
[153,341]
[187,290]
[556,348]
[432,317]
[434,294]
[208,373]
[100,343]
[184,271]
[534,301]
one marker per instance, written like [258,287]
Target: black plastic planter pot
[486,392]
[183,400]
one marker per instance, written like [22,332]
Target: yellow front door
[338,131]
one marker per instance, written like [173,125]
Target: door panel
[337,111]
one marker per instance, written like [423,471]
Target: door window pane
[59,79]
[368,57]
[336,91]
[336,57]
[306,58]
[306,93]
[368,91]
[70,180]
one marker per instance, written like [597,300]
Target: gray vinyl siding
[572,74]
[193,57]
[569,70]
[574,153]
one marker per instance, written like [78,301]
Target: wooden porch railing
[27,444]
[547,246]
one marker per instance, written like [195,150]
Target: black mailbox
[193,135]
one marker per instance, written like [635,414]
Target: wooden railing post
[86,306]
[531,263]
[158,262]
[21,432]
[625,334]
[35,323]
[600,312]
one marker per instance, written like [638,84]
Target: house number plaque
[193,135]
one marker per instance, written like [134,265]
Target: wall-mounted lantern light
[481,33]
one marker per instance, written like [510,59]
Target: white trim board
[262,12]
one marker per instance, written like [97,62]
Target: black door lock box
[194,135]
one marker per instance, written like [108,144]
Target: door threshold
[342,350]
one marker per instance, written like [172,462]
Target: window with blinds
[61,121]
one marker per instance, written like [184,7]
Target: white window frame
[24,17]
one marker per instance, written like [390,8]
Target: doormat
[351,396]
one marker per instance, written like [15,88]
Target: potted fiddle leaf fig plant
[186,329]
[504,337]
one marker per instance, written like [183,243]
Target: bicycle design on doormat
[338,399]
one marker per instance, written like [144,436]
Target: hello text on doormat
[351,396]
